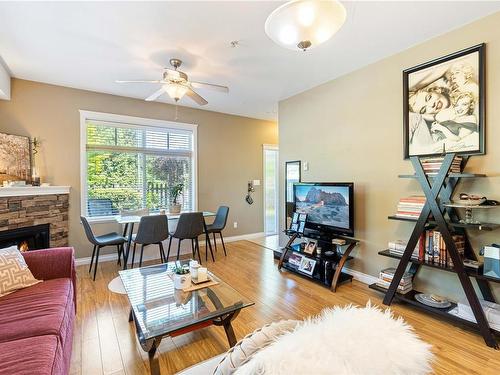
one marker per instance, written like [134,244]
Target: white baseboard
[360,276]
[152,255]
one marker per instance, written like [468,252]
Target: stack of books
[432,165]
[398,248]
[385,278]
[410,207]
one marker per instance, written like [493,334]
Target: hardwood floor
[105,342]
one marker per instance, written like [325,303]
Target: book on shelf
[433,165]
[385,278]
[430,248]
[398,247]
[410,207]
[435,248]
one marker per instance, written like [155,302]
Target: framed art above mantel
[15,158]
[444,105]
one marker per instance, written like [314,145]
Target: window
[130,163]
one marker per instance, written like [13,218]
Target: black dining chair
[109,239]
[152,230]
[218,226]
[189,227]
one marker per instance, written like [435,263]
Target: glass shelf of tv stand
[335,257]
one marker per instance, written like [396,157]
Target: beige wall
[229,147]
[350,129]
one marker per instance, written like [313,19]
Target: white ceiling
[90,45]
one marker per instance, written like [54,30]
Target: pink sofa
[36,323]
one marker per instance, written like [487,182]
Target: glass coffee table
[159,310]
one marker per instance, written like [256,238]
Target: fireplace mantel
[20,191]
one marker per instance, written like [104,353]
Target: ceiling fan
[177,84]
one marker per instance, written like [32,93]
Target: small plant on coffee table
[178,270]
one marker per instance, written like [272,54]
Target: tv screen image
[326,204]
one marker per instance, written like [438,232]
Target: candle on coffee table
[202,274]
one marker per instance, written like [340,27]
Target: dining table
[129,221]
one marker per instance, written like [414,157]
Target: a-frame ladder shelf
[438,189]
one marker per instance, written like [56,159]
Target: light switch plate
[256,182]
[306,165]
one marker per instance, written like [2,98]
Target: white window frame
[130,120]
[270,147]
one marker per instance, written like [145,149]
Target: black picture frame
[413,118]
[289,199]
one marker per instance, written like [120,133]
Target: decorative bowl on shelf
[433,301]
[470,202]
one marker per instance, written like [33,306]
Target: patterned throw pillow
[14,272]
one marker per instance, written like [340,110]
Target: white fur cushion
[252,343]
[346,340]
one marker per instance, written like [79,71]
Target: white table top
[137,219]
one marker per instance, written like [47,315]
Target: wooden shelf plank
[444,313]
[456,175]
[482,226]
[470,272]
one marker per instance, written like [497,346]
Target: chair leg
[92,259]
[169,245]
[142,253]
[179,249]
[162,253]
[96,260]
[198,248]
[119,261]
[192,248]
[223,245]
[206,249]
[133,255]
[209,248]
[215,242]
[122,247]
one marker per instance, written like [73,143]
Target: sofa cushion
[14,273]
[42,309]
[29,356]
[243,351]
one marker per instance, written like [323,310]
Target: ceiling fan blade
[139,81]
[211,86]
[197,98]
[155,95]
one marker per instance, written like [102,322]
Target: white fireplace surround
[19,191]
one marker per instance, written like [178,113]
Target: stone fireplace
[34,217]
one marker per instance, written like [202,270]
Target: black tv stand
[328,270]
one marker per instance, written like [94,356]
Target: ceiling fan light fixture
[305,24]
[176,91]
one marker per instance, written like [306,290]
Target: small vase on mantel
[35,175]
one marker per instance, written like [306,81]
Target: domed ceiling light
[305,24]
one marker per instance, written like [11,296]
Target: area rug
[116,286]
[349,340]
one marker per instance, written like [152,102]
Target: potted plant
[182,277]
[175,193]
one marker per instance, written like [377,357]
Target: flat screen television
[329,206]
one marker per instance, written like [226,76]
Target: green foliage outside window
[131,180]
